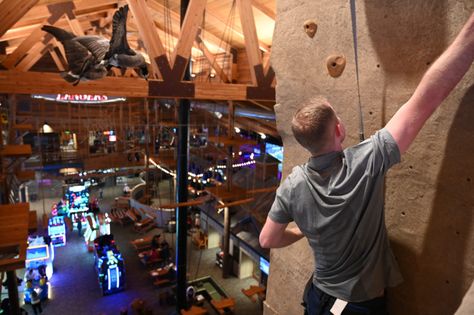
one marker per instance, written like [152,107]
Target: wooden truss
[168,72]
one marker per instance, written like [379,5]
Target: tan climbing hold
[310,27]
[336,65]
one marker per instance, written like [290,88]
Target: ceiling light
[237,129]
[46,128]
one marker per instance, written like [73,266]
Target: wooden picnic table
[142,243]
[194,310]
[160,272]
[222,304]
[254,289]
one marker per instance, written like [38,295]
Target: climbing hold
[336,65]
[310,27]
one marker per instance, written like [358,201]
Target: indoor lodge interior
[142,143]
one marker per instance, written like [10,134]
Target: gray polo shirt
[337,200]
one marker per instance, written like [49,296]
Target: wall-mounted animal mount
[310,27]
[336,65]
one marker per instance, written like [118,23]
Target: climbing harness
[354,34]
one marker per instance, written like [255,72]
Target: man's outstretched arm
[434,87]
[275,235]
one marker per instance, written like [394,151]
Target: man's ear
[338,130]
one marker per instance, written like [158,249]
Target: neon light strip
[118,277]
[200,175]
[108,279]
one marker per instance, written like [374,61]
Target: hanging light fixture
[46,128]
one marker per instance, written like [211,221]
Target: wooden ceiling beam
[52,83]
[20,52]
[46,83]
[19,32]
[211,58]
[12,11]
[34,54]
[57,60]
[147,31]
[211,38]
[56,12]
[55,43]
[251,40]
[75,26]
[82,8]
[260,7]
[40,48]
[192,22]
[236,29]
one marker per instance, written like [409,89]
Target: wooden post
[12,285]
[147,152]
[121,136]
[227,262]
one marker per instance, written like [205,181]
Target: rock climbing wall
[430,195]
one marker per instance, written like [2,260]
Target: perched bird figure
[120,54]
[90,57]
[83,53]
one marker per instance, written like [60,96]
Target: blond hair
[312,124]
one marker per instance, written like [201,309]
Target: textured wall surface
[430,195]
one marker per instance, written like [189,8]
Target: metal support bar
[182,191]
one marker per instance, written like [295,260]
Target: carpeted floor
[75,289]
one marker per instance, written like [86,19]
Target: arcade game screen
[277,152]
[274,150]
[264,265]
[78,198]
[37,252]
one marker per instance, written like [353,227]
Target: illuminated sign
[79,98]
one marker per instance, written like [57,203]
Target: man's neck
[335,147]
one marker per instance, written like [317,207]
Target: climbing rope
[354,34]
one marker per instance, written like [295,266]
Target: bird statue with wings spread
[83,53]
[90,57]
[120,54]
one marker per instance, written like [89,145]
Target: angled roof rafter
[12,11]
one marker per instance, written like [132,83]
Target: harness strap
[354,35]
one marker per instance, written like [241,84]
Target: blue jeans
[316,302]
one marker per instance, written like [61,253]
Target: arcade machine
[109,265]
[96,225]
[77,199]
[39,267]
[57,231]
[39,255]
